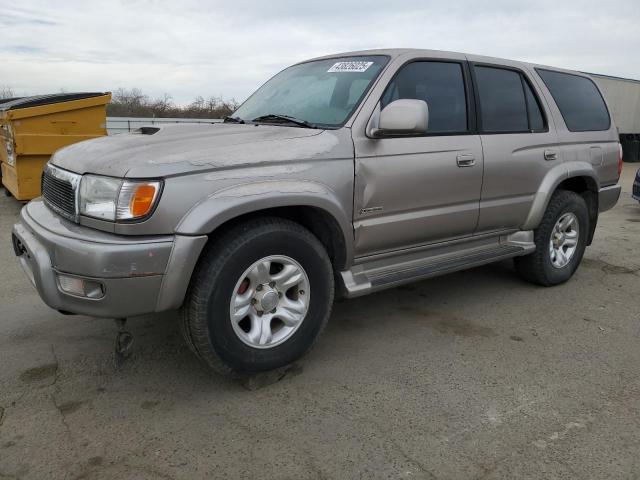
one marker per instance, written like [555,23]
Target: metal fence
[117,125]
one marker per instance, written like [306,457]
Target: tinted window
[578,99]
[536,120]
[503,106]
[441,85]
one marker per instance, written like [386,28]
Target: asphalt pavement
[471,375]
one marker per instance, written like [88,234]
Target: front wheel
[259,298]
[560,241]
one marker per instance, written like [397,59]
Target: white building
[623,97]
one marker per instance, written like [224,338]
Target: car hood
[183,148]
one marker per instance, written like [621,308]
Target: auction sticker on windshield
[355,67]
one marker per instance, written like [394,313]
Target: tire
[538,267]
[220,277]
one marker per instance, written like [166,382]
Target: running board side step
[373,276]
[437,268]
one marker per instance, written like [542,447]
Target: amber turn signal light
[137,199]
[142,200]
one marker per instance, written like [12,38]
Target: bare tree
[162,106]
[7,92]
[134,103]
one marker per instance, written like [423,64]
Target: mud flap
[123,344]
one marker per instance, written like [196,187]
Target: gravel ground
[471,375]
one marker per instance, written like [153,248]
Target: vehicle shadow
[159,343]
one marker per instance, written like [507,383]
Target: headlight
[98,196]
[114,199]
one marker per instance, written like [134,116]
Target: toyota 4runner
[345,174]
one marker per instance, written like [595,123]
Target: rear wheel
[560,241]
[260,296]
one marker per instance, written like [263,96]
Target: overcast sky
[228,48]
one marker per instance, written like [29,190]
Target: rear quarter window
[579,100]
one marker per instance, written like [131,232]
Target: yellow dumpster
[32,128]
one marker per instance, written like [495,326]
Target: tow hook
[124,343]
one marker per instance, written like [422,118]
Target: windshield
[323,93]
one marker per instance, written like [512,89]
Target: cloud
[23,49]
[193,47]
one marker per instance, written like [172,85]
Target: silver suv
[345,174]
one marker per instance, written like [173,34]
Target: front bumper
[138,274]
[608,197]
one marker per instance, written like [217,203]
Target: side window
[578,99]
[536,120]
[507,102]
[441,85]
[503,107]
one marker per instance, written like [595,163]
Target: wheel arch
[579,178]
[318,221]
[310,204]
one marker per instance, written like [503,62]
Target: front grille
[636,189]
[59,191]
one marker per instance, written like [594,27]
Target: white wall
[623,97]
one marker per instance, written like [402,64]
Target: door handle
[550,155]
[465,160]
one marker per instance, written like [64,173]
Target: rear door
[519,144]
[585,129]
[415,190]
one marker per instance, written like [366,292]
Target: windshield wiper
[277,118]
[232,120]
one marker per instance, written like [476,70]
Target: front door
[417,190]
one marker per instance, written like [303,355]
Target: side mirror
[403,117]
